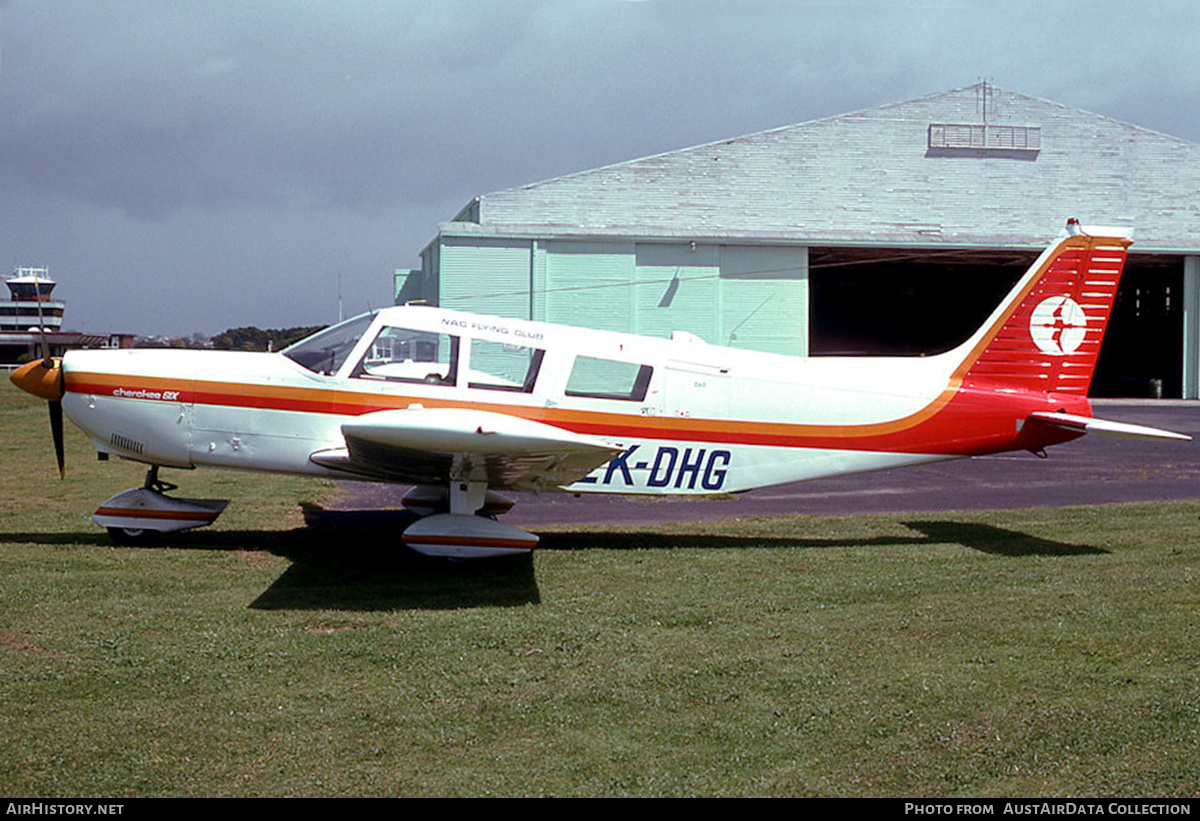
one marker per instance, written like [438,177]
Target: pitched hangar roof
[973,166]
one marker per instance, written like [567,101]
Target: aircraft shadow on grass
[359,565]
[983,538]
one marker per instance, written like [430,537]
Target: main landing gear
[139,515]
[459,523]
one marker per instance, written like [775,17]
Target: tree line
[236,339]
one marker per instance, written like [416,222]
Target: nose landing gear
[140,515]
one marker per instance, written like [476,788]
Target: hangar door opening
[891,302]
[1143,349]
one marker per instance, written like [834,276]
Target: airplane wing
[431,445]
[1087,424]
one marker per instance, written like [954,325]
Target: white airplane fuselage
[713,419]
[461,404]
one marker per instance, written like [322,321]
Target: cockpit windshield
[325,351]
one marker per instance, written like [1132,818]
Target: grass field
[1005,653]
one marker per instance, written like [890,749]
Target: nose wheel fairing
[132,514]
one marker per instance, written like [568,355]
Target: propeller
[44,378]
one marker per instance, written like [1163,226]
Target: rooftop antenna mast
[985,94]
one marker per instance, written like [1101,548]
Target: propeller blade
[44,379]
[56,431]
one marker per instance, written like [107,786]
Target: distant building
[30,313]
[30,305]
[890,230]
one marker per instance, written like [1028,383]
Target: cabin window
[408,355]
[325,351]
[499,366]
[608,379]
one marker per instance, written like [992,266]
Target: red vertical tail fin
[1046,335]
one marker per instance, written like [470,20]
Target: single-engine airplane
[462,405]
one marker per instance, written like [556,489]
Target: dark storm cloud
[153,107]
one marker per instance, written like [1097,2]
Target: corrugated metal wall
[590,284]
[679,291]
[485,275]
[745,296]
[764,298]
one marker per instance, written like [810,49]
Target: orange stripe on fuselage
[934,428]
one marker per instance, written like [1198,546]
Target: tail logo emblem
[1058,325]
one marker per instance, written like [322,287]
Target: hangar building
[893,230]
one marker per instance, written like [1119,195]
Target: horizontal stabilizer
[1104,427]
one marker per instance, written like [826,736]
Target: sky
[186,167]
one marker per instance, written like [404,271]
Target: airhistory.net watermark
[61,808]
